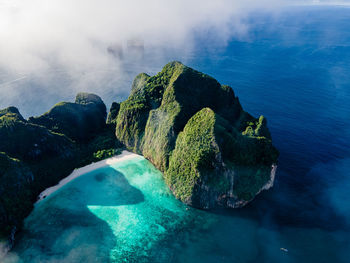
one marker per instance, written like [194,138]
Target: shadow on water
[62,229]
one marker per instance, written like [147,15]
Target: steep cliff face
[195,165]
[207,169]
[25,150]
[113,113]
[159,107]
[211,152]
[193,129]
[36,154]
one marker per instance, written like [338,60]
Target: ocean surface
[294,69]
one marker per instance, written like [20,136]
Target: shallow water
[120,213]
[296,71]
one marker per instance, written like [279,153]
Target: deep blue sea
[293,68]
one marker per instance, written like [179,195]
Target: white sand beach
[125,155]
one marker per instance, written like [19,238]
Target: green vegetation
[27,141]
[101,147]
[195,154]
[36,154]
[113,113]
[173,117]
[80,121]
[159,107]
[207,150]
[257,129]
[11,112]
[249,180]
[146,94]
[193,129]
[104,154]
[15,201]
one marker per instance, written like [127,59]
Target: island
[193,129]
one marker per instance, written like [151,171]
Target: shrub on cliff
[80,120]
[34,156]
[172,117]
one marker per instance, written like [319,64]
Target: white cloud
[57,47]
[35,35]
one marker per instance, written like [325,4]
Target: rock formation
[193,129]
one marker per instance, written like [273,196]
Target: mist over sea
[293,68]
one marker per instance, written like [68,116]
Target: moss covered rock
[37,154]
[15,194]
[196,161]
[11,112]
[173,117]
[113,113]
[80,120]
[207,167]
[24,140]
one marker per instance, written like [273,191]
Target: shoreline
[125,155]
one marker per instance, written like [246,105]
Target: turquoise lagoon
[123,212]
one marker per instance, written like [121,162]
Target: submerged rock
[193,129]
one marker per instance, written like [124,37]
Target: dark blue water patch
[100,177]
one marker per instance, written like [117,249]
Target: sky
[55,48]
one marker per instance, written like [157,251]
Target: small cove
[116,213]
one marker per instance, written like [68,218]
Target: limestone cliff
[193,129]
[39,152]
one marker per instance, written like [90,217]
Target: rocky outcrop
[113,113]
[38,153]
[15,198]
[193,129]
[27,141]
[211,152]
[80,121]
[203,175]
